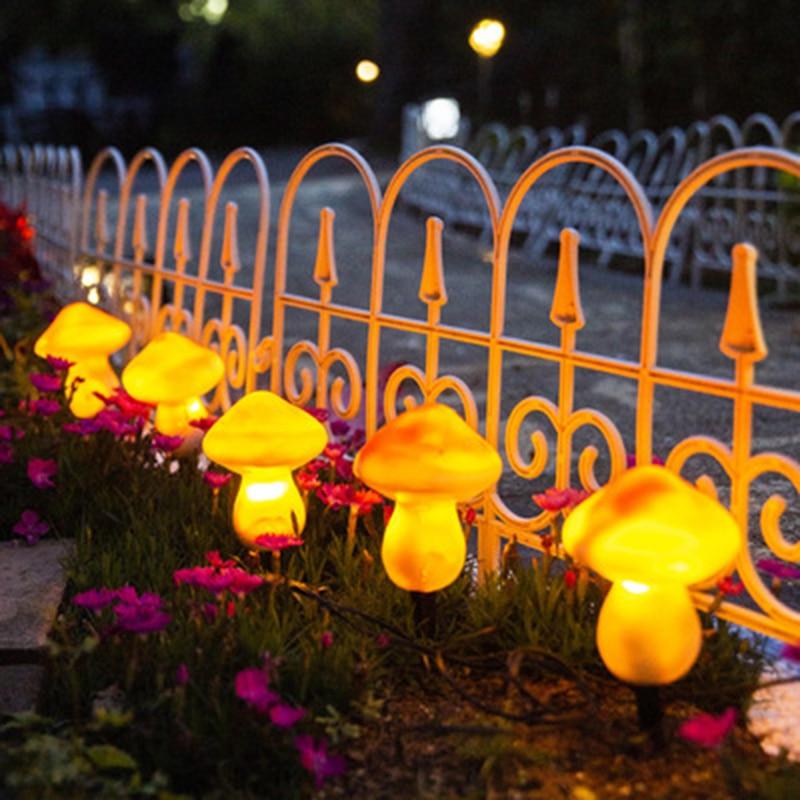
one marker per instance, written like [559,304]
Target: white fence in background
[159,283]
[749,205]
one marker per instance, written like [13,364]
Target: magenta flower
[44,407]
[383,640]
[221,576]
[216,480]
[8,433]
[285,716]
[791,652]
[316,759]
[275,541]
[141,615]
[82,427]
[30,526]
[41,472]
[6,453]
[335,495]
[203,424]
[181,675]
[706,730]
[167,443]
[118,424]
[340,428]
[344,469]
[44,382]
[252,686]
[778,569]
[95,599]
[326,640]
[59,364]
[320,414]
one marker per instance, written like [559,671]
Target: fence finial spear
[182,251]
[140,227]
[431,288]
[742,335]
[230,242]
[325,264]
[566,309]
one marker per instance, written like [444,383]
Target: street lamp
[367,71]
[486,39]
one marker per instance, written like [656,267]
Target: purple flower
[326,640]
[95,599]
[45,407]
[320,414]
[30,526]
[285,716]
[167,443]
[252,686]
[6,453]
[44,382]
[791,652]
[340,428]
[316,759]
[275,541]
[41,472]
[778,569]
[182,675]
[706,730]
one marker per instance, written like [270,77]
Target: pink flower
[383,640]
[81,427]
[117,424]
[320,414]
[791,652]
[216,480]
[8,433]
[6,453]
[95,599]
[59,364]
[127,405]
[344,469]
[30,526]
[216,560]
[559,499]
[706,730]
[285,716]
[316,759]
[44,382]
[334,451]
[204,423]
[181,675]
[778,569]
[221,576]
[340,428]
[274,541]
[630,460]
[335,495]
[44,407]
[252,686]
[326,640]
[141,615]
[41,472]
[167,443]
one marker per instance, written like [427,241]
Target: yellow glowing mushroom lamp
[172,372]
[86,336]
[653,535]
[263,438]
[426,459]
[487,37]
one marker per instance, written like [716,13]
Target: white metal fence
[159,283]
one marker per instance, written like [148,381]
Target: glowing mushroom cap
[264,430]
[170,369]
[428,450]
[81,331]
[651,526]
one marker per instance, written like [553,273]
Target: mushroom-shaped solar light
[653,535]
[172,372]
[87,336]
[263,438]
[426,459]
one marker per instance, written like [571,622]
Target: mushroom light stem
[648,635]
[423,546]
[172,419]
[95,376]
[268,501]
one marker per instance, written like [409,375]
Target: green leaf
[106,756]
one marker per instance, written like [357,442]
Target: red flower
[204,423]
[706,730]
[388,510]
[335,495]
[469,515]
[334,451]
[570,578]
[730,586]
[308,480]
[559,499]
[41,472]
[167,444]
[364,500]
[277,541]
